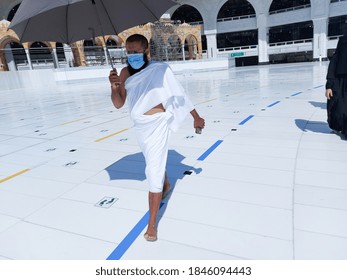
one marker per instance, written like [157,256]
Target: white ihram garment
[154,85]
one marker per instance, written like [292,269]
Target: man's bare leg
[154,203]
[167,186]
[154,200]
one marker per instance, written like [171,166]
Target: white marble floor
[268,177]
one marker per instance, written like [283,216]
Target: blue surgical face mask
[136,60]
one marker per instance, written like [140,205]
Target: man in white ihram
[157,105]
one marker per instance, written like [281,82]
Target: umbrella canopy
[68,21]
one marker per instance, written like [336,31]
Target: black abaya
[337,106]
[337,81]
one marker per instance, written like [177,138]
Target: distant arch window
[39,52]
[18,53]
[187,13]
[236,8]
[111,43]
[12,12]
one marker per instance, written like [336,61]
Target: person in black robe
[336,86]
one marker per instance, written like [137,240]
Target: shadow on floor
[132,167]
[313,126]
[322,105]
[317,127]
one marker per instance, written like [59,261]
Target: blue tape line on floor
[246,120]
[295,94]
[273,104]
[130,238]
[210,150]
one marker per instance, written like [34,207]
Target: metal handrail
[236,18]
[291,42]
[290,9]
[238,48]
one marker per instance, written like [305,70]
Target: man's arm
[198,121]
[118,92]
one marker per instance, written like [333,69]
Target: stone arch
[236,8]
[6,52]
[6,38]
[124,35]
[49,45]
[114,40]
[99,41]
[191,47]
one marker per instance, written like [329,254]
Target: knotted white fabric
[154,85]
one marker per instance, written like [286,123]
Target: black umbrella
[68,21]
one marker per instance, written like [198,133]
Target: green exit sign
[237,54]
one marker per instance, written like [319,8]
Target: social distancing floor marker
[106,202]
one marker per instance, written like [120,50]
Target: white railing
[291,42]
[236,18]
[237,48]
[290,9]
[196,23]
[241,51]
[291,46]
[337,36]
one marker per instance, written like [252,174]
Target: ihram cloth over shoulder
[154,85]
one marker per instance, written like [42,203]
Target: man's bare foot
[151,233]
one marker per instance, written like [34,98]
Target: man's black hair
[138,38]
